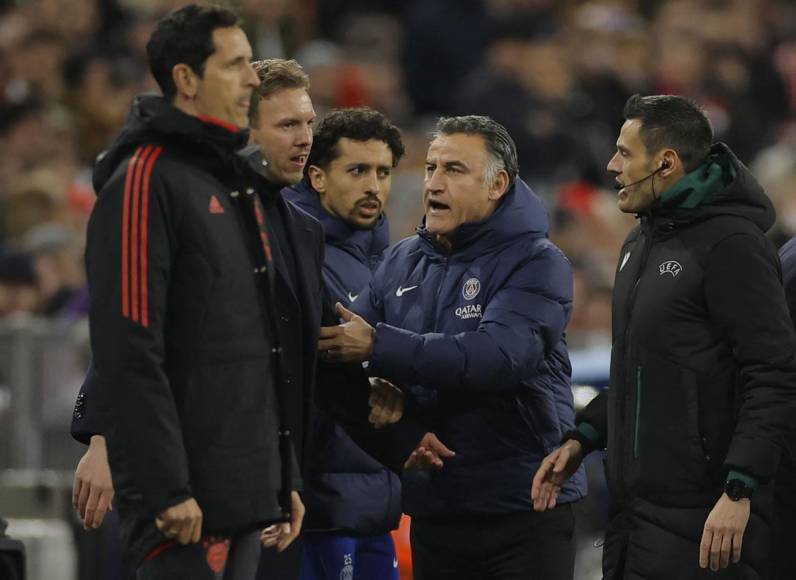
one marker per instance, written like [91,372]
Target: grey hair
[499,144]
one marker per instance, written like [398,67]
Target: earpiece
[664,165]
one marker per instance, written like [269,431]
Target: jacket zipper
[626,346]
[434,319]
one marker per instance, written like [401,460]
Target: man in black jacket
[783,557]
[703,369]
[281,116]
[193,348]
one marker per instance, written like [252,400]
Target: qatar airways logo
[670,267]
[469,311]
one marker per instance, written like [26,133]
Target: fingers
[269,536]
[82,500]
[737,543]
[91,508]
[77,484]
[197,530]
[182,522]
[439,447]
[715,551]
[538,479]
[426,458]
[327,344]
[561,461]
[330,331]
[725,550]
[386,406]
[344,312]
[704,547]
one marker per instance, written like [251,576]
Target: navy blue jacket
[345,488]
[477,335]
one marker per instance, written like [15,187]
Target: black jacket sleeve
[746,303]
[592,424]
[86,417]
[128,263]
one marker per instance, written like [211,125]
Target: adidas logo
[215,206]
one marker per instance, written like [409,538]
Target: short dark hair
[357,124]
[185,36]
[499,143]
[672,121]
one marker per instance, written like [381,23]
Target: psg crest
[471,288]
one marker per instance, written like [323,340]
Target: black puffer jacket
[182,332]
[703,370]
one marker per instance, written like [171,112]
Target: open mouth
[299,159]
[437,206]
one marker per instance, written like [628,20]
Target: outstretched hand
[553,473]
[281,535]
[429,453]
[351,341]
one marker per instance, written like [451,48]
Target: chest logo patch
[471,288]
[670,267]
[469,311]
[215,205]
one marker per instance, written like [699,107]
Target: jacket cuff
[748,480]
[586,435]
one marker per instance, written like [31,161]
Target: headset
[664,165]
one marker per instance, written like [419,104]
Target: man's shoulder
[401,250]
[301,218]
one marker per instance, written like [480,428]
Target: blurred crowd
[556,73]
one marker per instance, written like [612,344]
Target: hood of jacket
[722,185]
[520,213]
[362,243]
[152,119]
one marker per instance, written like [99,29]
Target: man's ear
[317,178]
[500,185]
[186,81]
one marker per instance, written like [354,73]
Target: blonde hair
[276,74]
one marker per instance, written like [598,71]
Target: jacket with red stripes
[180,329]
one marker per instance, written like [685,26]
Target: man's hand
[182,522]
[282,535]
[723,533]
[92,491]
[429,453]
[351,341]
[553,473]
[386,403]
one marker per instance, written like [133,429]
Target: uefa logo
[471,288]
[671,267]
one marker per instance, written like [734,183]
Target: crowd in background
[556,73]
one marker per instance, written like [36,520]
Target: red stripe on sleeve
[145,237]
[135,228]
[126,234]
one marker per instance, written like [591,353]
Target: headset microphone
[664,165]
